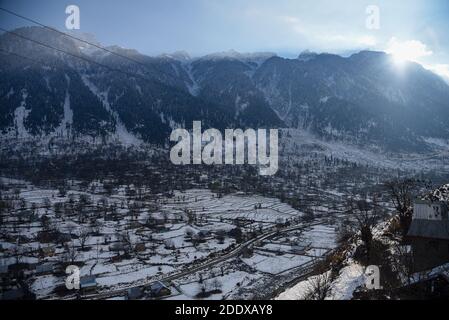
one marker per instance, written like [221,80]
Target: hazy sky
[413,29]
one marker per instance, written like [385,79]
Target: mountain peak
[177,55]
[307,55]
[88,37]
[257,57]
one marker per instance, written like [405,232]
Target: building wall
[428,253]
[431,211]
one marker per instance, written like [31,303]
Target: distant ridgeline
[106,97]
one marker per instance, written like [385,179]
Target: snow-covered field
[299,144]
[342,287]
[125,241]
[205,203]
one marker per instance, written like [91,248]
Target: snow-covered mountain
[364,98]
[57,94]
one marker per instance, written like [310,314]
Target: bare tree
[402,263]
[62,191]
[18,252]
[220,235]
[83,237]
[70,227]
[319,286]
[203,287]
[345,231]
[57,207]
[402,192]
[216,284]
[96,227]
[70,254]
[189,233]
[126,240]
[169,244]
[366,215]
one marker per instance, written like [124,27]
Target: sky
[410,30]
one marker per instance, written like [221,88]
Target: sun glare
[411,50]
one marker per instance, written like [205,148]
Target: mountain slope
[363,99]
[141,101]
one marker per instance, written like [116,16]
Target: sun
[411,50]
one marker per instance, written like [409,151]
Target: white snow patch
[193,86]
[299,291]
[349,279]
[20,115]
[121,133]
[324,99]
[67,120]
[441,143]
[342,288]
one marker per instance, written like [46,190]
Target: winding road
[233,253]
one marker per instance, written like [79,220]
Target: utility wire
[87,42]
[75,56]
[131,75]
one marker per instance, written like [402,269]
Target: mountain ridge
[361,98]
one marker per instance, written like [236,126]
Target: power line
[57,49]
[86,42]
[75,56]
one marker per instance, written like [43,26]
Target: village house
[159,289]
[88,284]
[47,252]
[134,293]
[140,247]
[429,233]
[45,269]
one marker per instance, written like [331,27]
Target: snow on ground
[274,264]
[349,279]
[192,85]
[342,288]
[439,270]
[121,132]
[166,249]
[299,291]
[20,115]
[206,203]
[67,120]
[299,143]
[320,236]
[227,284]
[168,245]
[131,276]
[44,285]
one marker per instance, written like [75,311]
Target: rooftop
[88,281]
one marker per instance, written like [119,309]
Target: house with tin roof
[88,283]
[429,230]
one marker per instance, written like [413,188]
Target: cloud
[416,51]
[367,40]
[410,50]
[290,19]
[294,23]
[328,40]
